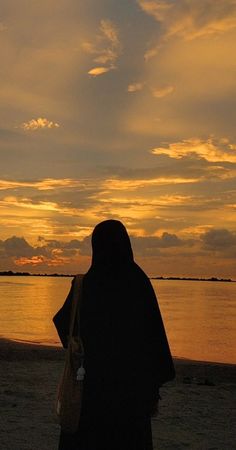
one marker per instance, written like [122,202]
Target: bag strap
[76,298]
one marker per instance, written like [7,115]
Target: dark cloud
[16,253]
[85,246]
[151,245]
[18,246]
[219,240]
[73,244]
[190,166]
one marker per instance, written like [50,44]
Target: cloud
[156,8]
[56,253]
[109,31]
[163,92]
[191,19]
[16,246]
[219,239]
[153,245]
[134,87]
[188,19]
[156,92]
[119,184]
[37,124]
[211,150]
[37,206]
[106,48]
[96,71]
[151,52]
[19,253]
[190,167]
[43,185]
[203,102]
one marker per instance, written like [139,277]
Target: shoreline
[57,346]
[196,410]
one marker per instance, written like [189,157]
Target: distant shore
[10,273]
[196,410]
[225,280]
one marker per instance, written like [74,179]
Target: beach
[197,409]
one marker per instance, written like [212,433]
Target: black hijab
[111,245]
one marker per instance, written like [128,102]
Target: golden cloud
[40,123]
[43,185]
[155,8]
[31,208]
[99,71]
[39,260]
[151,52]
[148,203]
[135,87]
[106,48]
[156,92]
[210,150]
[109,30]
[27,203]
[191,20]
[117,184]
[163,92]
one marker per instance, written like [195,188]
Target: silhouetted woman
[127,357]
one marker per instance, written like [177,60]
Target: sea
[199,316]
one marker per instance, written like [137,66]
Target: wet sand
[197,410]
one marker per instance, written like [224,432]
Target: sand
[196,410]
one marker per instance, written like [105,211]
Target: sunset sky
[118,109]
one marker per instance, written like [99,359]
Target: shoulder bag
[70,389]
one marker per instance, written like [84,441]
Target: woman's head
[111,244]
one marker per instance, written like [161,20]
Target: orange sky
[120,110]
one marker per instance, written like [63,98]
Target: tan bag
[70,389]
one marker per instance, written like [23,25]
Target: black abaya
[127,357]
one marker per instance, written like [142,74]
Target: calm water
[199,317]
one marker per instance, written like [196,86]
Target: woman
[127,357]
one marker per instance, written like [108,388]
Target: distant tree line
[193,279]
[27,274]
